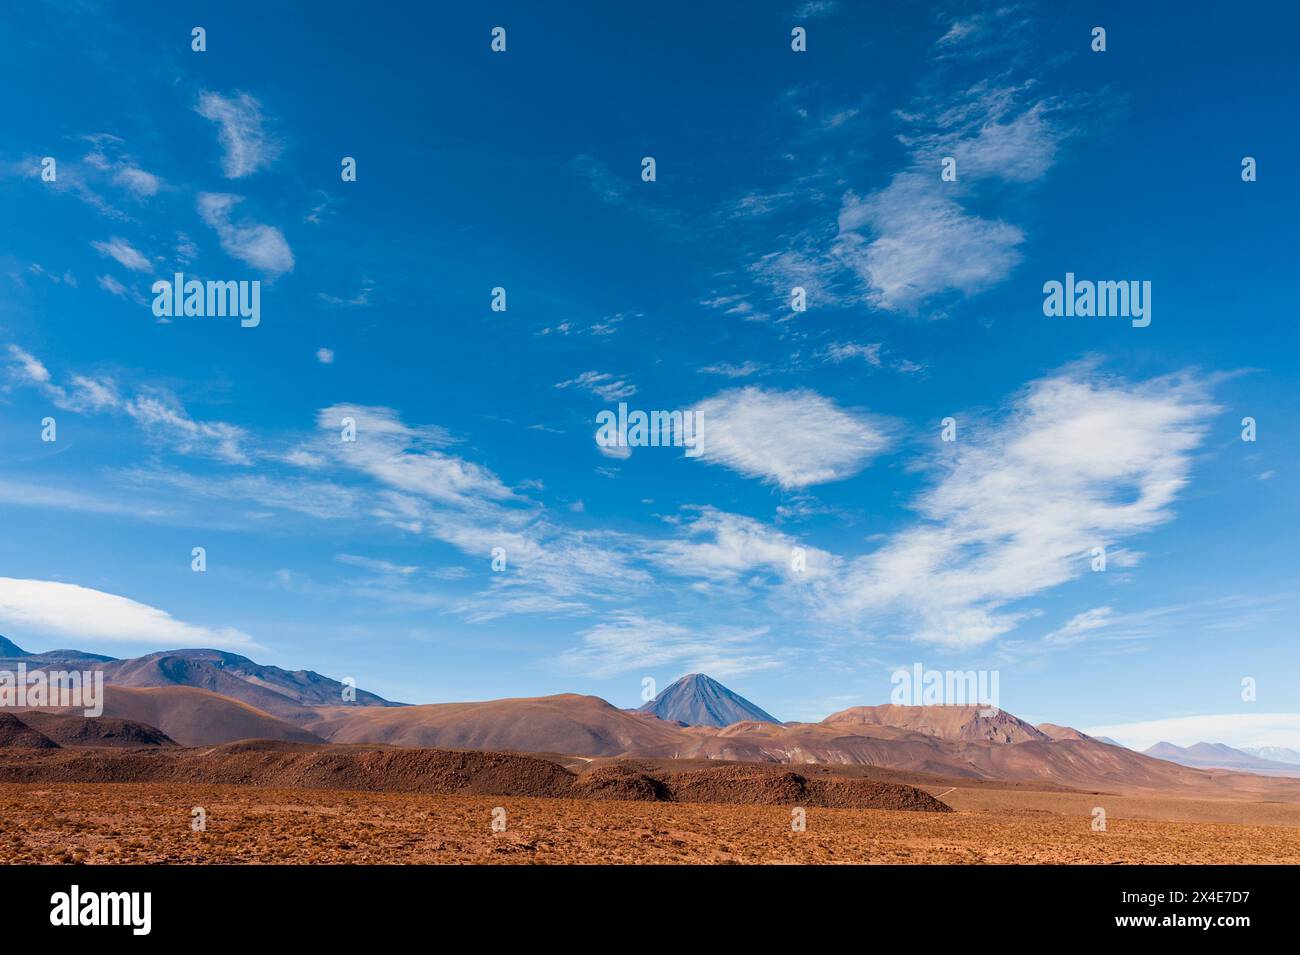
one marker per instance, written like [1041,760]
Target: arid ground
[131,798]
[151,823]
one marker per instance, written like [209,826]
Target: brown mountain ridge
[207,697]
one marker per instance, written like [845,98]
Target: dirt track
[151,823]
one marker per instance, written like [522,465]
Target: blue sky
[475,428]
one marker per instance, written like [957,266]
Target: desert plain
[153,823]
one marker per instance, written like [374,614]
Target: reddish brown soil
[152,823]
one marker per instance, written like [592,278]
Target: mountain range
[1278,754]
[209,697]
[1220,756]
[284,693]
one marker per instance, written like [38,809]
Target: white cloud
[604,385]
[384,567]
[29,366]
[620,452]
[93,394]
[136,180]
[917,237]
[323,500]
[107,159]
[631,642]
[1019,150]
[754,204]
[723,547]
[69,610]
[1077,461]
[66,278]
[325,356]
[961,29]
[843,351]
[247,146]
[163,416]
[805,268]
[918,243]
[261,246]
[816,8]
[1234,729]
[991,134]
[122,251]
[159,413]
[1080,625]
[112,286]
[43,494]
[186,250]
[728,370]
[360,299]
[983,34]
[791,438]
[406,458]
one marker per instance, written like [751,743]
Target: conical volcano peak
[699,700]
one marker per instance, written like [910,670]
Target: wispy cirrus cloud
[325,500]
[124,253]
[1078,460]
[606,386]
[262,246]
[105,168]
[722,547]
[730,370]
[399,475]
[631,642]
[982,33]
[917,238]
[108,155]
[27,367]
[159,413]
[1075,460]
[377,566]
[406,458]
[1078,627]
[909,242]
[358,300]
[847,351]
[112,286]
[247,146]
[816,8]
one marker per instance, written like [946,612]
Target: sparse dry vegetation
[150,823]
